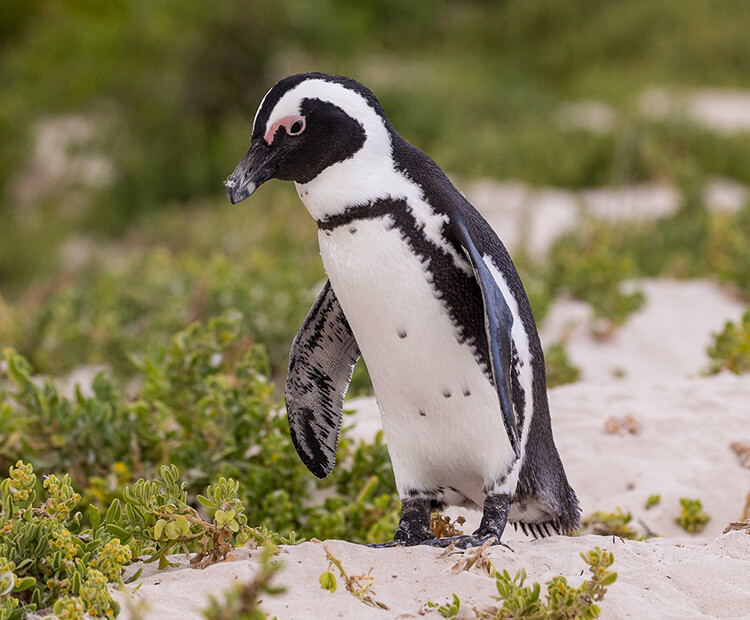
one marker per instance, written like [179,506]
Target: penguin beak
[257,166]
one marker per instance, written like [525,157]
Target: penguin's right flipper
[321,363]
[498,321]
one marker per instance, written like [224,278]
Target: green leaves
[327,581]
[562,602]
[610,524]
[44,551]
[45,557]
[449,610]
[692,518]
[730,349]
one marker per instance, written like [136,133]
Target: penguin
[422,288]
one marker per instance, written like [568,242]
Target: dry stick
[476,555]
[352,583]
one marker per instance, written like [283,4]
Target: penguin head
[306,124]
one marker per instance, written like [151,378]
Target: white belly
[440,413]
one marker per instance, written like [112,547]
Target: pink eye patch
[293,125]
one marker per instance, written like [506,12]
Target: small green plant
[610,524]
[357,585]
[653,500]
[730,349]
[241,602]
[50,558]
[692,518]
[563,601]
[47,559]
[449,610]
[157,518]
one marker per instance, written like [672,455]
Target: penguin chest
[439,409]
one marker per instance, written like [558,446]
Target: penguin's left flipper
[498,319]
[321,362]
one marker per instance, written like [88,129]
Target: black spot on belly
[467,392]
[422,413]
[447,394]
[402,333]
[353,229]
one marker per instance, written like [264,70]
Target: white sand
[681,451]
[666,339]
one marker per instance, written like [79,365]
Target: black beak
[257,166]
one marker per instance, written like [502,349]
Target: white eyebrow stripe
[260,107]
[350,101]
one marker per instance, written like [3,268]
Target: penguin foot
[465,541]
[401,541]
[386,545]
[414,526]
[494,519]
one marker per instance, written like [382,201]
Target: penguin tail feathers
[544,517]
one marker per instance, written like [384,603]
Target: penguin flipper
[321,362]
[498,321]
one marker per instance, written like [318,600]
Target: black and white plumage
[420,285]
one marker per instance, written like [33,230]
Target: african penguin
[422,288]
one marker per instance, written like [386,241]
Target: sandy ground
[681,450]
[666,339]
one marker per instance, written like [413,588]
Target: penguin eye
[297,127]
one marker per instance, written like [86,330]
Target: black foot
[386,545]
[463,542]
[414,526]
[494,516]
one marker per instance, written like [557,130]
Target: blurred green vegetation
[132,238]
[730,349]
[170,89]
[119,120]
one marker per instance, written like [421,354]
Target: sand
[681,450]
[658,578]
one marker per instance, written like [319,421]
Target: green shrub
[730,349]
[117,314]
[610,524]
[50,557]
[559,369]
[589,267]
[47,557]
[205,405]
[563,601]
[692,517]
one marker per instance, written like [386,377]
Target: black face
[330,136]
[299,151]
